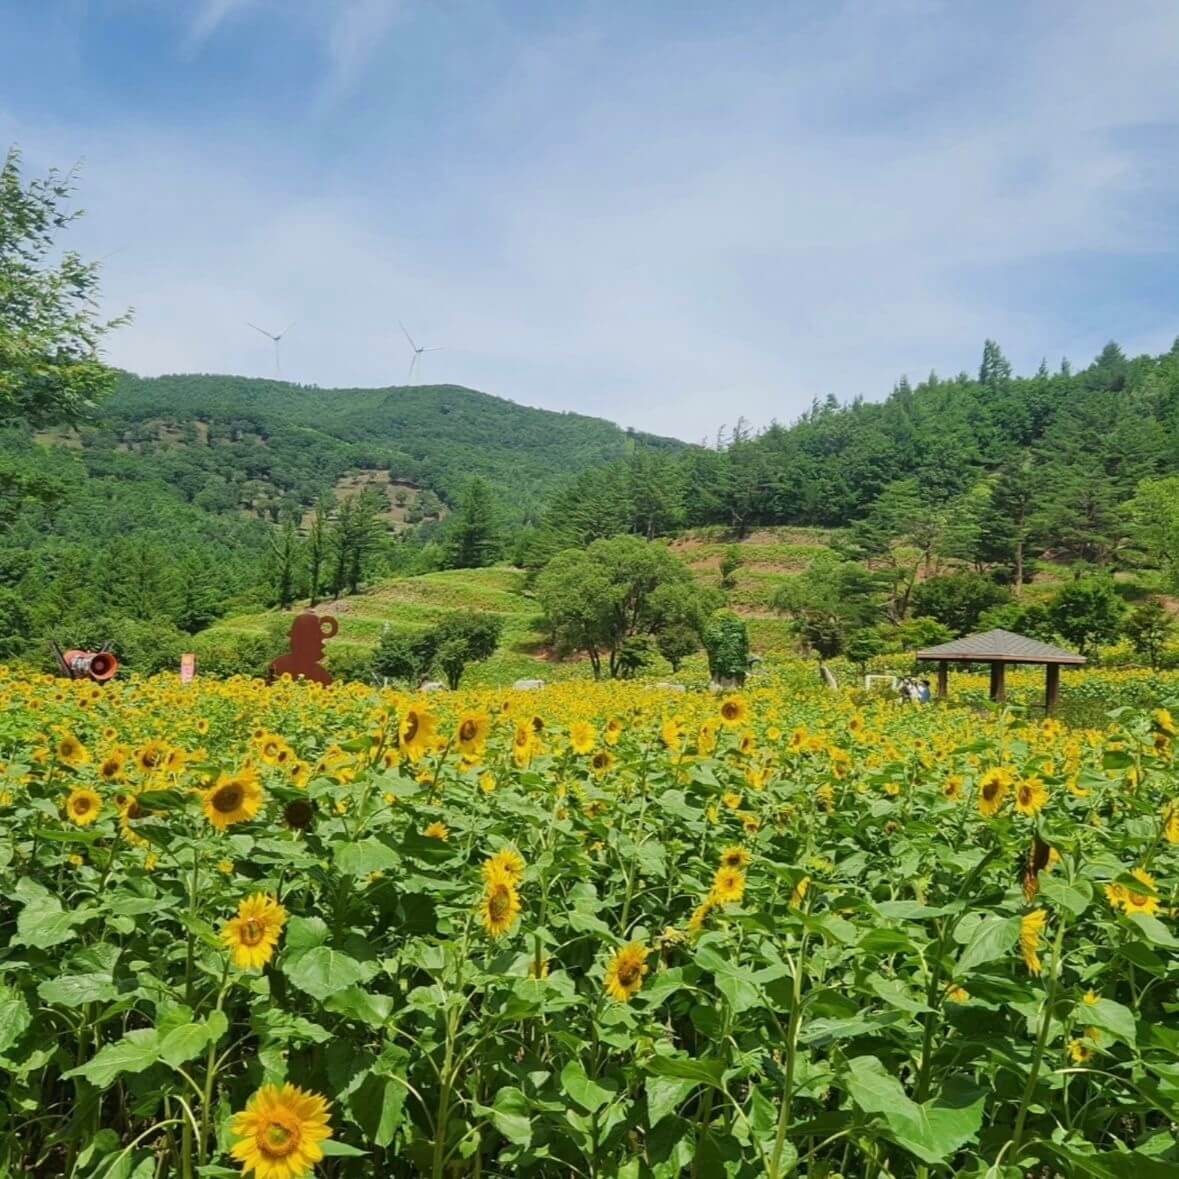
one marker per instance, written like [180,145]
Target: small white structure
[527,685]
[668,686]
[432,686]
[881,683]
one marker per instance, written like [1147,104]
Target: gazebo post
[1051,686]
[998,681]
[943,679]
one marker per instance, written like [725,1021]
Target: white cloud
[670,234]
[210,15]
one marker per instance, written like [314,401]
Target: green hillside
[299,439]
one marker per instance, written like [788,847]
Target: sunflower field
[596,930]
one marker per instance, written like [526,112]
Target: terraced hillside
[415,603]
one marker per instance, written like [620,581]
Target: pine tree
[284,553]
[472,539]
[317,549]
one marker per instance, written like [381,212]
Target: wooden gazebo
[999,648]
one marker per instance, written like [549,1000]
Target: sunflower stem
[1041,1044]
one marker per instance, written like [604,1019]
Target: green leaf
[43,923]
[703,1072]
[341,1150]
[72,990]
[1110,1017]
[510,1114]
[1073,898]
[665,1095]
[322,971]
[993,937]
[183,1043]
[1155,931]
[587,1093]
[932,1131]
[365,857]
[136,1051]
[14,1019]
[362,1005]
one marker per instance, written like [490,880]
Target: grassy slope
[415,602]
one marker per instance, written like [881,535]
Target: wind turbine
[276,339]
[417,352]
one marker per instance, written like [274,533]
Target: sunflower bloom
[992,792]
[506,862]
[280,1131]
[83,806]
[733,711]
[799,893]
[671,732]
[438,831]
[735,857]
[233,798]
[71,752]
[252,935]
[582,738]
[1031,932]
[624,975]
[416,732]
[501,904]
[728,885]
[613,731]
[472,731]
[1130,901]
[1030,796]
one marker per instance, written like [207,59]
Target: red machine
[99,666]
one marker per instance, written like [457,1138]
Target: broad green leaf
[136,1051]
[1110,1017]
[73,990]
[43,923]
[14,1018]
[1155,931]
[993,938]
[511,1116]
[322,971]
[333,1148]
[1074,898]
[586,1092]
[364,858]
[362,1005]
[703,1072]
[665,1095]
[183,1043]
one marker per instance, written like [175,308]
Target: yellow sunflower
[624,975]
[71,752]
[253,934]
[151,756]
[728,885]
[671,731]
[613,731]
[706,739]
[735,857]
[523,745]
[83,806]
[1164,722]
[233,798]
[582,737]
[501,904]
[506,862]
[472,731]
[1031,930]
[602,762]
[111,767]
[799,893]
[280,1131]
[1130,901]
[1030,796]
[416,731]
[438,831]
[992,792]
[733,711]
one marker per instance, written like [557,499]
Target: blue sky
[668,214]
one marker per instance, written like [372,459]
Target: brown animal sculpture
[308,631]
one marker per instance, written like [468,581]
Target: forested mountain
[1042,461]
[181,498]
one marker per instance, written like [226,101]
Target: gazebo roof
[998,646]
